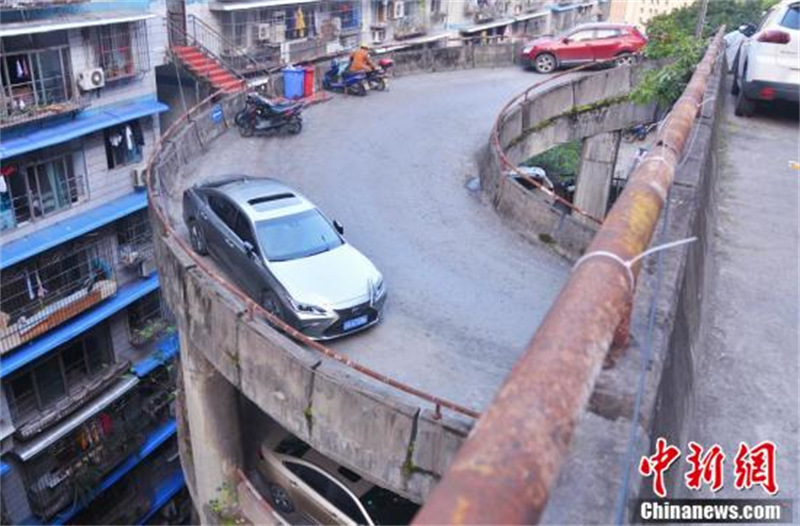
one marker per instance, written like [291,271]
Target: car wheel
[625,59]
[197,239]
[735,84]
[544,63]
[280,498]
[271,304]
[745,106]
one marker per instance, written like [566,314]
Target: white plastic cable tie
[628,264]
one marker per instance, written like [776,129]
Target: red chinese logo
[658,464]
[756,466]
[705,468]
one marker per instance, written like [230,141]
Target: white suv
[767,66]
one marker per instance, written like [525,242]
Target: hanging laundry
[31,295]
[20,71]
[8,170]
[41,292]
[138,136]
[128,137]
[25,68]
[105,423]
[3,187]
[83,439]
[115,140]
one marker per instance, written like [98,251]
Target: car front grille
[348,314]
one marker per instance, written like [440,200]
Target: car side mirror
[747,30]
[565,40]
[338,226]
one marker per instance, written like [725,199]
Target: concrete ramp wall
[572,108]
[338,411]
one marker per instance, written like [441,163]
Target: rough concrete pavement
[466,293]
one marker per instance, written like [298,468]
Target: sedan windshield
[296,236]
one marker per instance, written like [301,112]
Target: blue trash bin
[293,82]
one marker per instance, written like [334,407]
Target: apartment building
[256,34]
[639,12]
[86,347]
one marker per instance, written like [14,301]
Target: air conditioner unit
[91,79]
[264,32]
[138,179]
[399,10]
[278,35]
[147,267]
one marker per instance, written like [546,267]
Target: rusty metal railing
[252,308]
[505,470]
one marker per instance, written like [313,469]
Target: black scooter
[262,116]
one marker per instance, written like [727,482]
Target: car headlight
[377,288]
[307,308]
[527,49]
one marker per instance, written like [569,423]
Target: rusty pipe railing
[504,472]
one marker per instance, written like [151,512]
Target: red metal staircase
[209,68]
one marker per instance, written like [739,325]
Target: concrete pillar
[597,169]
[213,420]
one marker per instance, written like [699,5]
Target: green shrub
[671,38]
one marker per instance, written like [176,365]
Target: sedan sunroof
[268,198]
[273,202]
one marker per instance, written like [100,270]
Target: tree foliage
[671,39]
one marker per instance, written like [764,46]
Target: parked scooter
[338,79]
[378,78]
[261,115]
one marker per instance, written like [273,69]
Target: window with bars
[134,238]
[146,319]
[35,72]
[40,185]
[42,293]
[39,386]
[121,50]
[124,144]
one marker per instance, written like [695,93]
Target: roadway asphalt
[746,386]
[466,293]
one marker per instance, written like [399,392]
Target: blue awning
[166,350]
[77,325]
[156,439]
[84,123]
[164,492]
[4,468]
[46,238]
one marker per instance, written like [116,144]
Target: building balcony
[35,4]
[409,27]
[59,285]
[25,105]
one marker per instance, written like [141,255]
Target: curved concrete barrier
[561,109]
[356,419]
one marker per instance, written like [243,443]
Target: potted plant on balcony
[148,332]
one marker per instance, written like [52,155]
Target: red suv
[584,43]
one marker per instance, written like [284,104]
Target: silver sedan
[284,252]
